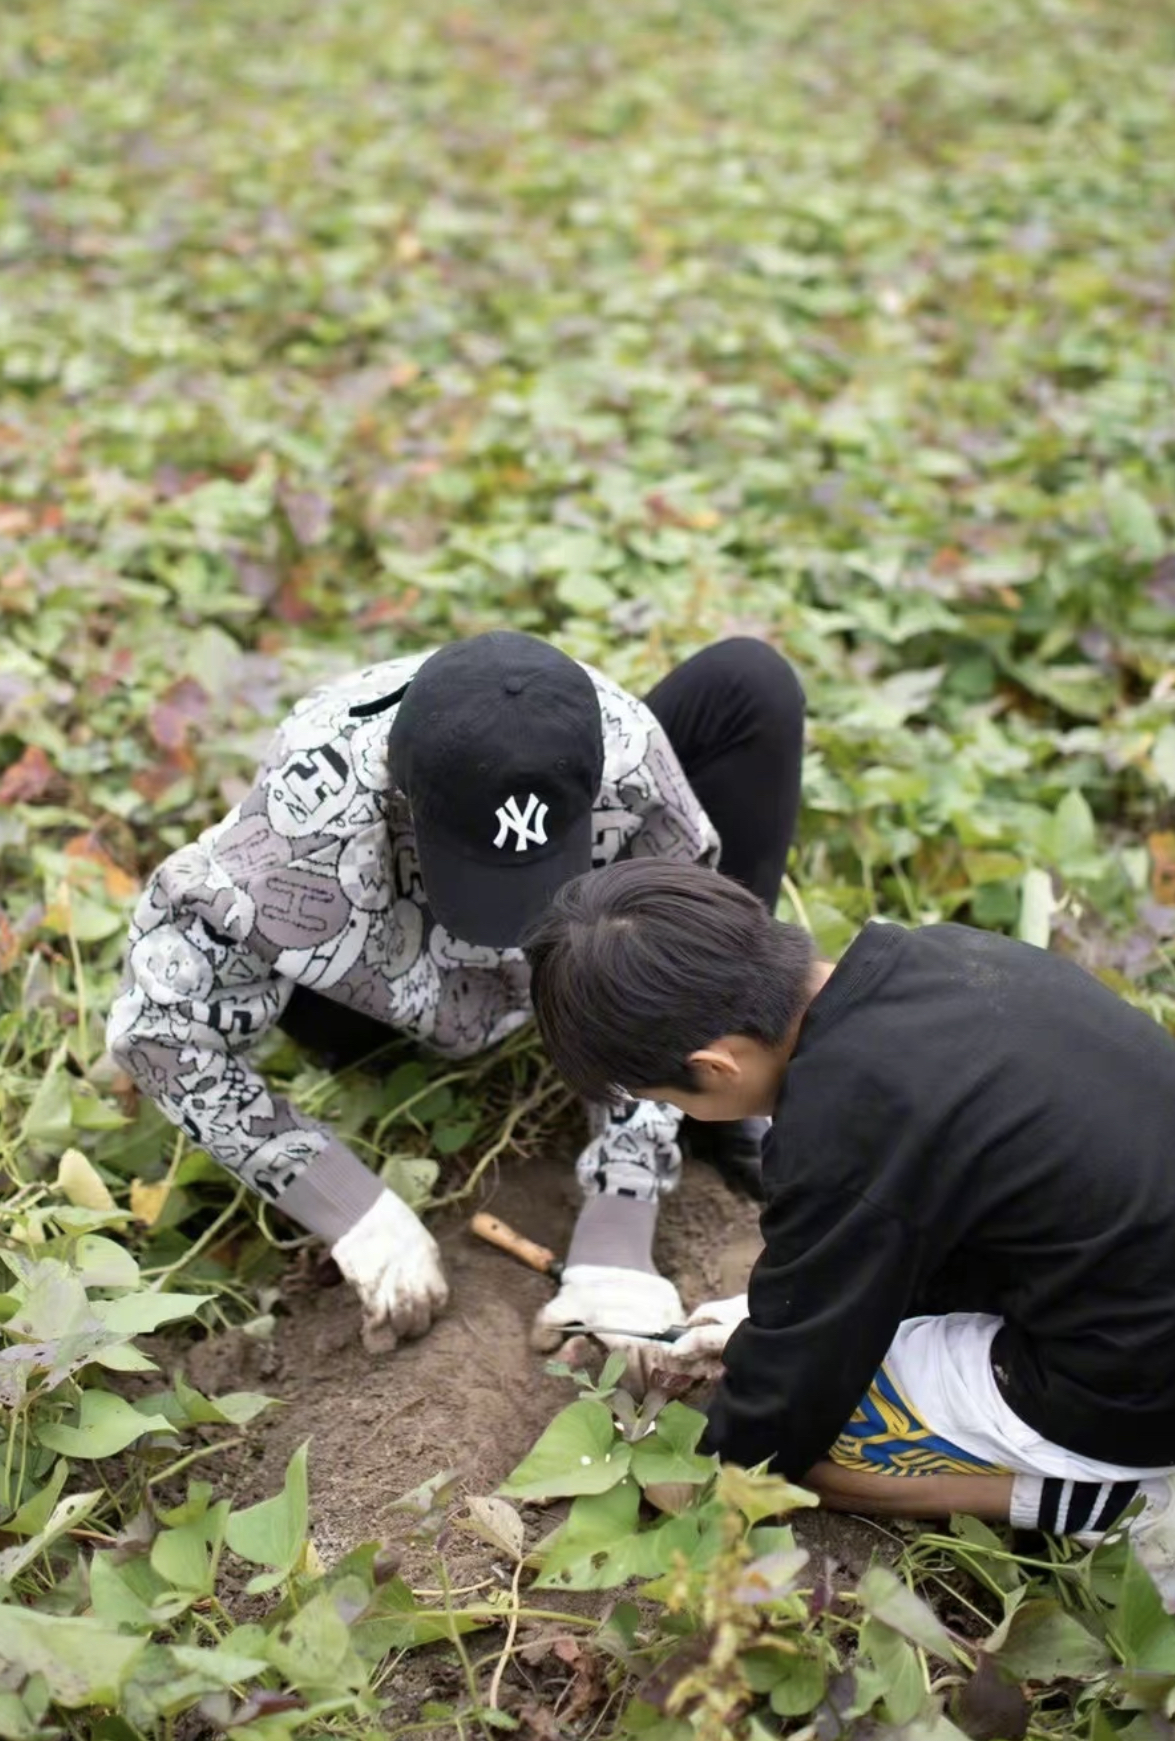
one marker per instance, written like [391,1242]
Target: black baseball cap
[498,746]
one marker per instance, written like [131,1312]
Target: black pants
[734,715]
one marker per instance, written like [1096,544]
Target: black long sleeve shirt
[978,1123]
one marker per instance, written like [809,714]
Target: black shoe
[733,1148]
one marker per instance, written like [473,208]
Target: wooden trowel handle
[496,1232]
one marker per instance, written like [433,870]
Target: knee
[762,676]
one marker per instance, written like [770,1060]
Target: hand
[710,1327]
[394,1265]
[600,1296]
[697,1356]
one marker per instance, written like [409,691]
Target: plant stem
[455,1635]
[796,899]
[508,1647]
[159,1276]
[499,1145]
[193,1457]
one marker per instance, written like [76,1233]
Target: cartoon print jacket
[313,880]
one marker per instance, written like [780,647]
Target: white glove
[394,1265]
[711,1325]
[599,1297]
[698,1354]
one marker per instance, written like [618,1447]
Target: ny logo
[510,817]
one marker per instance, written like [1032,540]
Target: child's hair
[637,966]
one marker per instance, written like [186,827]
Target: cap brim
[494,904]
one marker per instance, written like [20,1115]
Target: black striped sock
[1071,1507]
[1051,1493]
[1082,1505]
[1121,1494]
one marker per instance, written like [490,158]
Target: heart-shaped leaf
[578,1453]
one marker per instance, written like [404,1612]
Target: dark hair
[637,966]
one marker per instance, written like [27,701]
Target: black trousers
[734,715]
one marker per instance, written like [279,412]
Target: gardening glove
[394,1265]
[710,1327]
[603,1298]
[696,1356]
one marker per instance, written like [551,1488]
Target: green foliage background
[327,330]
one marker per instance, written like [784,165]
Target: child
[406,824]
[966,1300]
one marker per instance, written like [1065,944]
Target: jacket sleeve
[830,1289]
[201,988]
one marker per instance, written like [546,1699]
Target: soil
[471,1396]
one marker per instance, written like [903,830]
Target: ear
[715,1066]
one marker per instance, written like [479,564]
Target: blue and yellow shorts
[885,1437]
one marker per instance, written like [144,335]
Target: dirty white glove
[601,1297]
[711,1325]
[394,1265]
[697,1356]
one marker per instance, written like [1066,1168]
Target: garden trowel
[539,1257]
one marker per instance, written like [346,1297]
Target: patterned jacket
[313,880]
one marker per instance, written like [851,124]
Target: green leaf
[1074,832]
[395,1620]
[1163,758]
[312,1650]
[116,1595]
[667,1454]
[67,1515]
[898,1669]
[35,1513]
[54,1307]
[273,1532]
[22,1714]
[1144,1629]
[584,593]
[222,1665]
[106,1424]
[989,1561]
[1039,1641]
[883,1594]
[102,1263]
[601,1546]
[451,1136]
[1036,909]
[759,1496]
[799,1687]
[411,1177]
[189,1406]
[141,1314]
[114,1729]
[124,1357]
[83,1661]
[578,1453]
[186,1556]
[49,1119]
[1133,521]
[612,1372]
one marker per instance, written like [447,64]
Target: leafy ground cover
[327,331]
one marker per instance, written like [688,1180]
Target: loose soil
[471,1396]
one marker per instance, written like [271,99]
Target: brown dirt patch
[471,1395]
